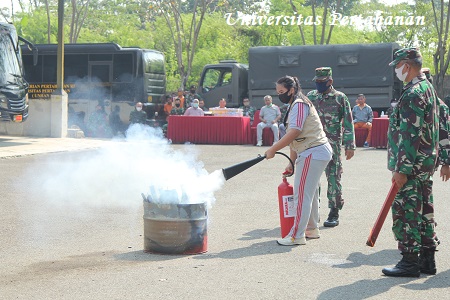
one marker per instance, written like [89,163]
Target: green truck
[357,69]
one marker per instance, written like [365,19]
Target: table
[379,132]
[209,130]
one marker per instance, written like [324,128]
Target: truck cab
[228,79]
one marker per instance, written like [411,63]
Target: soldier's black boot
[407,267]
[333,218]
[427,263]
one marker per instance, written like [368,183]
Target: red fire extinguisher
[287,206]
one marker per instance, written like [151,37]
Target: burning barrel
[175,228]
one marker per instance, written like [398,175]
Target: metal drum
[175,228]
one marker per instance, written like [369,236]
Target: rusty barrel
[175,228]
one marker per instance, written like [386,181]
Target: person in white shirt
[194,110]
[268,116]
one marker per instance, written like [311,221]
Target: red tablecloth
[379,132]
[209,130]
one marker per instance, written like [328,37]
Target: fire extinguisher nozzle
[239,168]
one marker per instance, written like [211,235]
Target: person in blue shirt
[363,116]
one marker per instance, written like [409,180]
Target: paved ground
[64,252]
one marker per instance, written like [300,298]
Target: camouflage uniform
[138,117]
[333,109]
[248,111]
[412,147]
[444,126]
[177,111]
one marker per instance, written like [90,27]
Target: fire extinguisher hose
[292,164]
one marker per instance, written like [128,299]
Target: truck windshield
[9,65]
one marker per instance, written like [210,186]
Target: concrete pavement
[14,146]
[63,252]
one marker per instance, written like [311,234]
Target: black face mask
[285,98]
[193,91]
[177,104]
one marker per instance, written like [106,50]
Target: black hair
[293,82]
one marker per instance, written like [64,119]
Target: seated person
[269,116]
[168,106]
[194,110]
[178,110]
[116,124]
[362,117]
[247,110]
[222,103]
[97,125]
[138,115]
[201,104]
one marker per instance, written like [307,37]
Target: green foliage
[137,23]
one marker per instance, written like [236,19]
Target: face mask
[138,108]
[394,104]
[195,105]
[285,98]
[269,105]
[177,104]
[322,86]
[398,72]
[192,91]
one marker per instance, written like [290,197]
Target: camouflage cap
[405,53]
[323,73]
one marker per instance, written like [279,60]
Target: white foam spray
[117,175]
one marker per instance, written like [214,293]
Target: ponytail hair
[292,82]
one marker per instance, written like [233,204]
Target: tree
[441,57]
[184,30]
[326,6]
[78,15]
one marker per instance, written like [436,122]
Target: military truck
[357,69]
[13,86]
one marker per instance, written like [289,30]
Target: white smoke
[143,164]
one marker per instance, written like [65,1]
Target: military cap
[322,73]
[404,54]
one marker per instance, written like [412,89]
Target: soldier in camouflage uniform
[412,156]
[247,109]
[178,110]
[334,111]
[444,131]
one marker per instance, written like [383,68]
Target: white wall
[37,124]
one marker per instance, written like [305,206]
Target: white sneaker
[290,241]
[259,144]
[312,233]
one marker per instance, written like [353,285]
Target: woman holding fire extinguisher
[310,150]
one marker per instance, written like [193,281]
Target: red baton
[382,215]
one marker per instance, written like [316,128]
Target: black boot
[426,261]
[333,218]
[407,267]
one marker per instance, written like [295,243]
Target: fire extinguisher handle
[290,160]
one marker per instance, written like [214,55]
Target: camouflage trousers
[413,215]
[333,171]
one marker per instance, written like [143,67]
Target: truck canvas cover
[355,66]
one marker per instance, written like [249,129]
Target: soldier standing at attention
[413,137]
[335,112]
